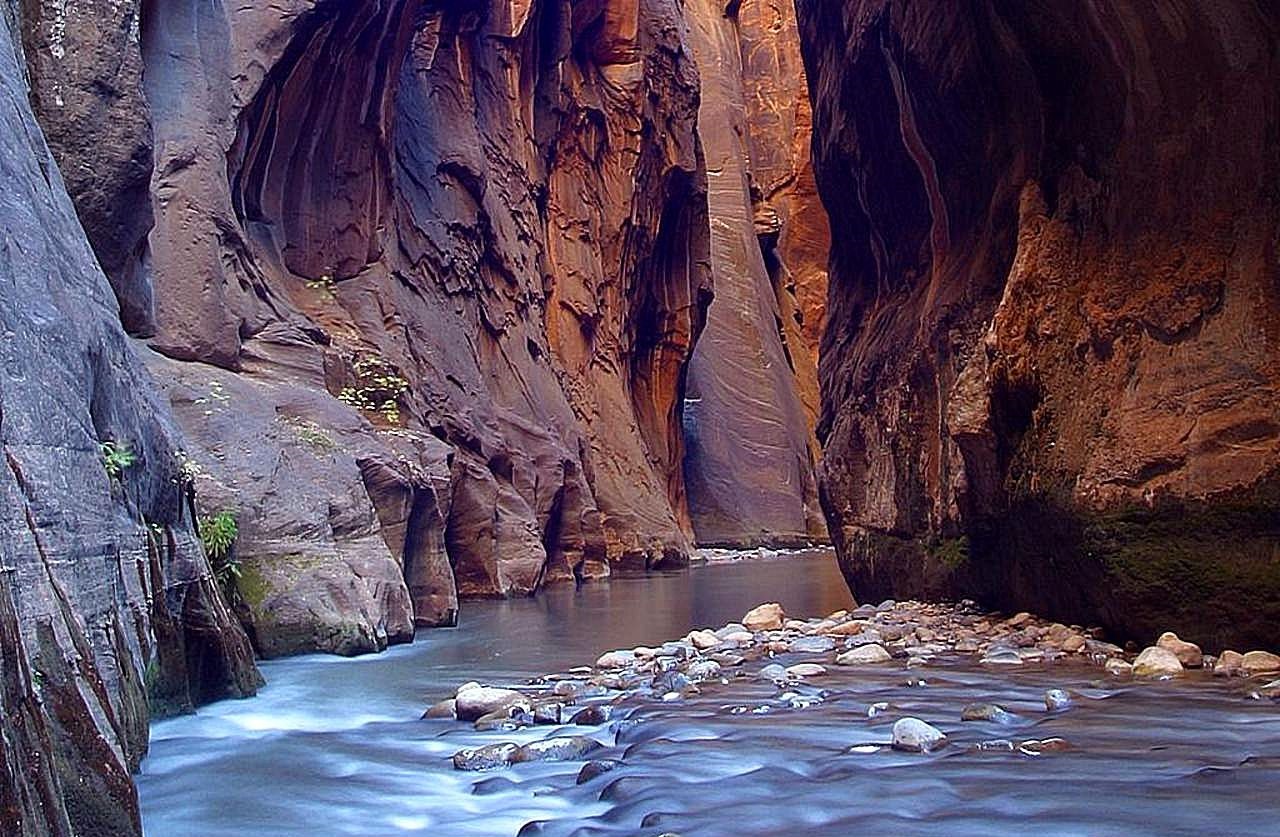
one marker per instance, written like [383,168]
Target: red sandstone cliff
[753,375]
[1050,375]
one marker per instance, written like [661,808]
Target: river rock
[765,617]
[485,758]
[703,670]
[1056,700]
[1117,667]
[811,645]
[591,716]
[845,629]
[477,701]
[731,629]
[806,670]
[1188,653]
[504,720]
[1073,644]
[703,640]
[1230,664]
[987,712]
[866,655]
[1002,657]
[596,768]
[773,671]
[443,709]
[1260,662]
[621,658]
[1157,662]
[1044,745]
[913,735]
[561,748]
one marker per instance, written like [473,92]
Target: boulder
[475,702]
[1188,653]
[1157,662]
[913,735]
[765,617]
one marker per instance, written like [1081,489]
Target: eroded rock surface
[106,598]
[1051,367]
[752,379]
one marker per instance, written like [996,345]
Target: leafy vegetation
[116,457]
[324,286]
[218,533]
[378,389]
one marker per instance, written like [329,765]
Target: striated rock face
[752,380]
[1051,365]
[422,286]
[105,596]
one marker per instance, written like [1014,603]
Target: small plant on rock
[116,457]
[324,286]
[218,532]
[378,389]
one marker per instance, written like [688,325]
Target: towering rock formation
[753,377]
[422,285]
[105,594]
[1050,375]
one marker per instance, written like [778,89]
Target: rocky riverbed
[797,656]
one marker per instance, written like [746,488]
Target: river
[335,747]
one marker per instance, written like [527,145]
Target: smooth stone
[1044,745]
[732,628]
[1056,700]
[741,637]
[616,659]
[703,670]
[987,712]
[765,617]
[773,671]
[591,716]
[503,720]
[477,701]
[702,640]
[1117,667]
[596,768]
[913,735]
[811,645]
[863,611]
[998,744]
[886,606]
[1188,653]
[1002,657]
[1229,664]
[864,638]
[486,757]
[1260,662]
[443,709]
[845,629]
[806,670]
[1073,644]
[548,712]
[865,655]
[1157,662]
[877,709]
[562,748]
[1018,620]
[967,645]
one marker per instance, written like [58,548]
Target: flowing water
[336,747]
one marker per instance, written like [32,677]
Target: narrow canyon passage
[689,405]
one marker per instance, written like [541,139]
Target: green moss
[254,589]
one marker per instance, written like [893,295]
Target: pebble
[1157,662]
[773,671]
[987,712]
[811,645]
[1044,745]
[806,670]
[913,735]
[865,655]
[876,709]
[1056,700]
[1001,657]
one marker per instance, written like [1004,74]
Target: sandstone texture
[752,379]
[1051,368]
[106,599]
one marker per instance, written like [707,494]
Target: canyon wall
[1051,368]
[106,599]
[752,390]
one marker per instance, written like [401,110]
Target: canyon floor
[777,737]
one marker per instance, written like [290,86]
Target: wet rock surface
[1050,377]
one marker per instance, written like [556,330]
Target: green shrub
[218,533]
[116,457]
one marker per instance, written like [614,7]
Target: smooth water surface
[335,747]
